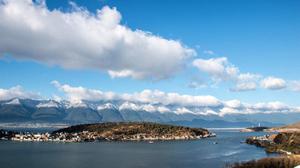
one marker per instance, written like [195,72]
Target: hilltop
[132,131]
[295,127]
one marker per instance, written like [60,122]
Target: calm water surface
[195,154]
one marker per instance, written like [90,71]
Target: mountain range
[51,111]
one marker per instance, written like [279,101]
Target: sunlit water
[204,153]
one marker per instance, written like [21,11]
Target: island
[112,131]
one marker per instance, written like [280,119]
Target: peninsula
[285,141]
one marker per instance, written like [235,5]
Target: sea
[216,152]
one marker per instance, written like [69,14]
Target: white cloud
[273,83]
[17,92]
[81,40]
[244,77]
[130,106]
[264,107]
[233,103]
[218,68]
[295,86]
[183,110]
[221,70]
[76,94]
[196,85]
[227,111]
[157,101]
[244,86]
[146,96]
[271,106]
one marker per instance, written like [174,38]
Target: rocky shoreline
[283,143]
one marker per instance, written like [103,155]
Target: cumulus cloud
[237,107]
[76,94]
[218,68]
[273,83]
[246,82]
[244,86]
[196,85]
[221,70]
[233,104]
[79,39]
[17,92]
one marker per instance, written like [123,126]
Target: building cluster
[86,136]
[262,138]
[47,137]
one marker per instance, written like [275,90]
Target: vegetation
[286,141]
[120,129]
[6,134]
[281,143]
[275,162]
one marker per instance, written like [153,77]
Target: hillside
[295,127]
[273,162]
[284,142]
[133,131]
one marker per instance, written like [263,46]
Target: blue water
[197,153]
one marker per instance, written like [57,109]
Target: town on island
[126,131]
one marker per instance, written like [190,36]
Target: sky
[230,50]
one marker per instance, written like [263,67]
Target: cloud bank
[145,96]
[82,40]
[155,100]
[17,91]
[221,70]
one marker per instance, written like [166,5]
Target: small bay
[213,152]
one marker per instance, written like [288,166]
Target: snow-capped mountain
[20,110]
[48,104]
[14,101]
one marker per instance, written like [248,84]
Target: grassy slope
[130,128]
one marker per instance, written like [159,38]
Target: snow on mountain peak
[49,104]
[130,106]
[15,101]
[106,106]
[76,104]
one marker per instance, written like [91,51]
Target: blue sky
[257,37]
